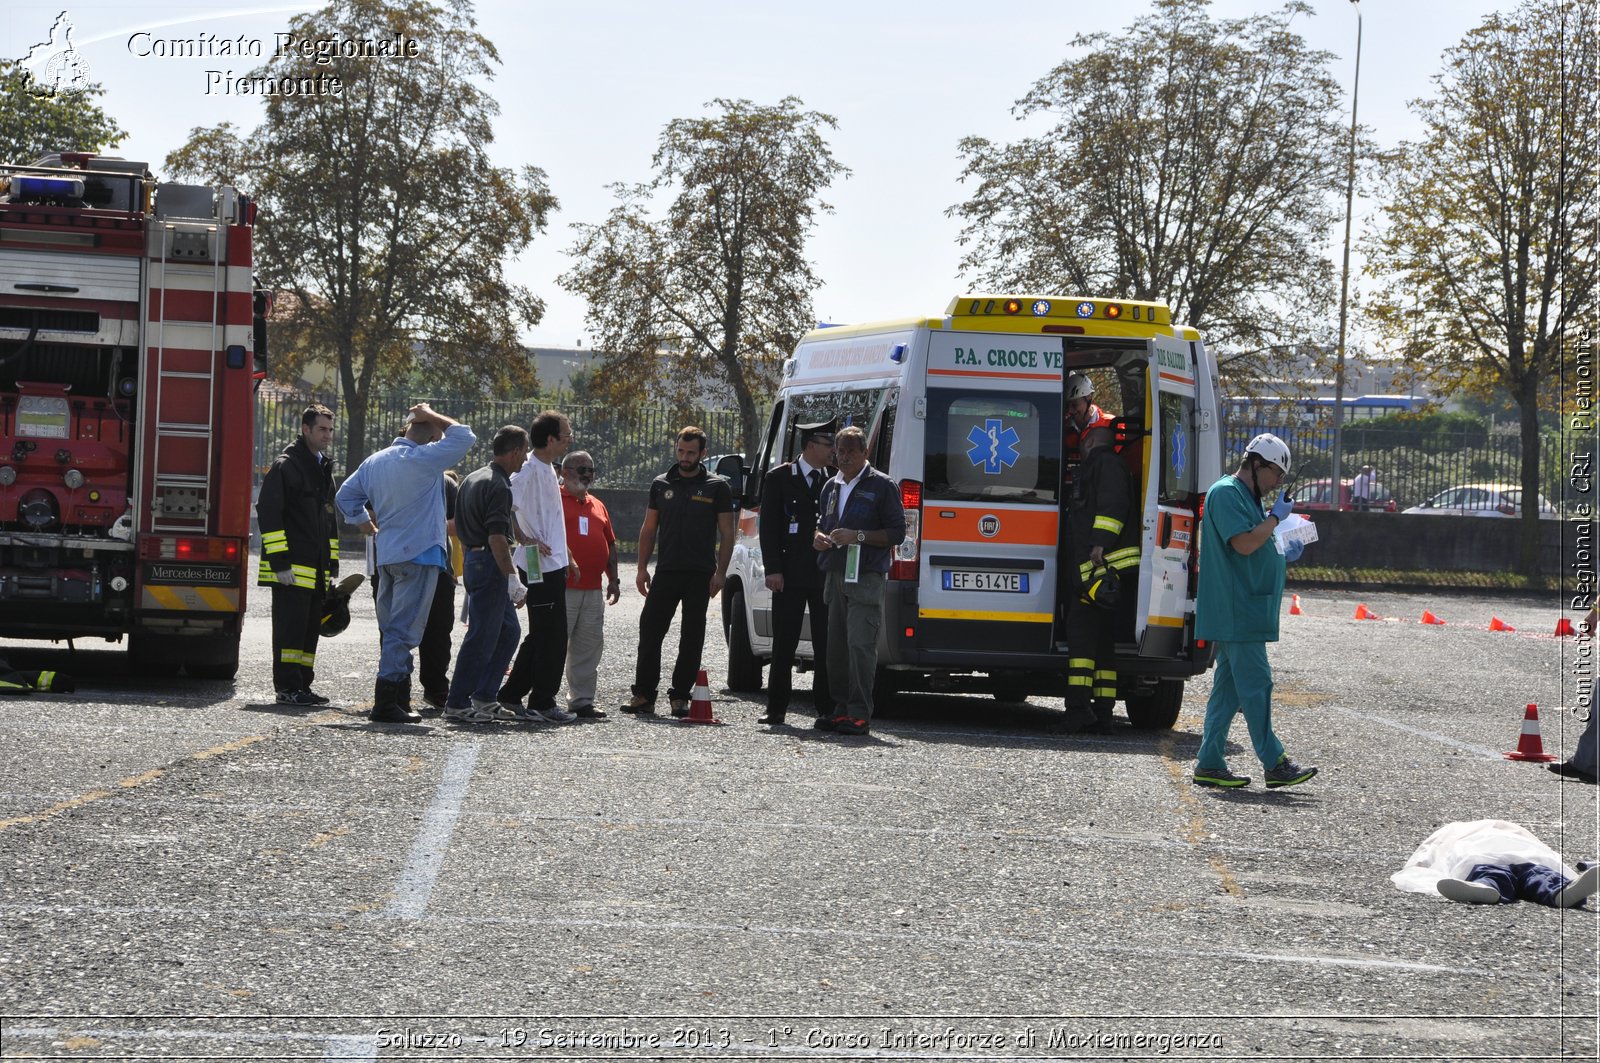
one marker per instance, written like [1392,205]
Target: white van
[965,412]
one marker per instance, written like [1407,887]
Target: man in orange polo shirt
[593,548]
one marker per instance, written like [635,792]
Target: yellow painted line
[973,614]
[1194,826]
[134,782]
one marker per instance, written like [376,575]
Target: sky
[586,88]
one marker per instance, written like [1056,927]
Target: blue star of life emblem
[993,447]
[1180,453]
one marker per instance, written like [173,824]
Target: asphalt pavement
[191,871]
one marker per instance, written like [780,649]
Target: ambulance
[965,412]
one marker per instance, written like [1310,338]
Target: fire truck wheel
[744,667]
[152,656]
[1156,708]
[214,657]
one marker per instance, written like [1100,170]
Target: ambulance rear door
[1165,620]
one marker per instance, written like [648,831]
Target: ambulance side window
[1177,449]
[993,445]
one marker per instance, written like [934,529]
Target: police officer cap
[822,431]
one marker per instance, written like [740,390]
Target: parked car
[1482,500]
[1317,495]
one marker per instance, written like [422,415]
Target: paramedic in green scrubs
[1241,590]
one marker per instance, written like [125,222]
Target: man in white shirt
[1364,491]
[542,531]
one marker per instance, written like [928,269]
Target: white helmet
[1079,386]
[1269,447]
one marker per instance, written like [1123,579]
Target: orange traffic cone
[1530,746]
[1363,613]
[1496,624]
[1429,618]
[700,702]
[1294,606]
[1564,627]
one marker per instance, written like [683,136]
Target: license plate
[1005,582]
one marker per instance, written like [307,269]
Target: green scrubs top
[1239,596]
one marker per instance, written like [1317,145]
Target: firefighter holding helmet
[1241,590]
[299,553]
[1103,575]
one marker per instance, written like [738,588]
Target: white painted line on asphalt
[1446,740]
[411,893]
[360,1048]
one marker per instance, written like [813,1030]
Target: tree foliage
[31,126]
[385,226]
[711,295]
[1487,249]
[1190,160]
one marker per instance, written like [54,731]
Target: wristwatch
[861,536]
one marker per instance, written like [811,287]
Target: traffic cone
[1294,606]
[1363,613]
[1429,618]
[1564,627]
[1530,746]
[700,702]
[1496,624]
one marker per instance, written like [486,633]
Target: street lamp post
[1344,283]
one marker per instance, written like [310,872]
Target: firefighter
[1081,415]
[1103,575]
[299,553]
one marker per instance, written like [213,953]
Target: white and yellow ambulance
[965,411]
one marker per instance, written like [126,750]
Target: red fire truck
[131,333]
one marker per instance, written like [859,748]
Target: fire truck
[131,337]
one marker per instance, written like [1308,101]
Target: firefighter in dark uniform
[1102,534]
[299,553]
[788,523]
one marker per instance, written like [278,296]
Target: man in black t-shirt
[688,507]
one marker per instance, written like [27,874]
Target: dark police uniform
[294,511]
[1100,512]
[687,509]
[789,508]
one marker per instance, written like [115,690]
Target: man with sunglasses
[592,545]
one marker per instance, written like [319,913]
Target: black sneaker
[316,699]
[823,723]
[297,697]
[1288,773]
[1219,777]
[588,712]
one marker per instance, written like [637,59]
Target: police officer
[299,553]
[788,522]
[1102,535]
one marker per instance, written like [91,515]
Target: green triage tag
[852,563]
[531,555]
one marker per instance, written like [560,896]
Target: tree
[384,223]
[34,125]
[1487,243]
[714,294]
[1191,161]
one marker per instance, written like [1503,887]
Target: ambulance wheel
[213,657]
[1010,692]
[744,667]
[1156,708]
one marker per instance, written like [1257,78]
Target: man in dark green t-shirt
[1241,589]
[689,509]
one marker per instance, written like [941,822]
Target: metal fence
[630,446]
[1412,464]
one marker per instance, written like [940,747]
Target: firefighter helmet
[336,606]
[1103,588]
[1269,447]
[1079,386]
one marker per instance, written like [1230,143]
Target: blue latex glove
[1292,551]
[1282,507]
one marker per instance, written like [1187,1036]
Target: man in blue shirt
[1241,589]
[400,487]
